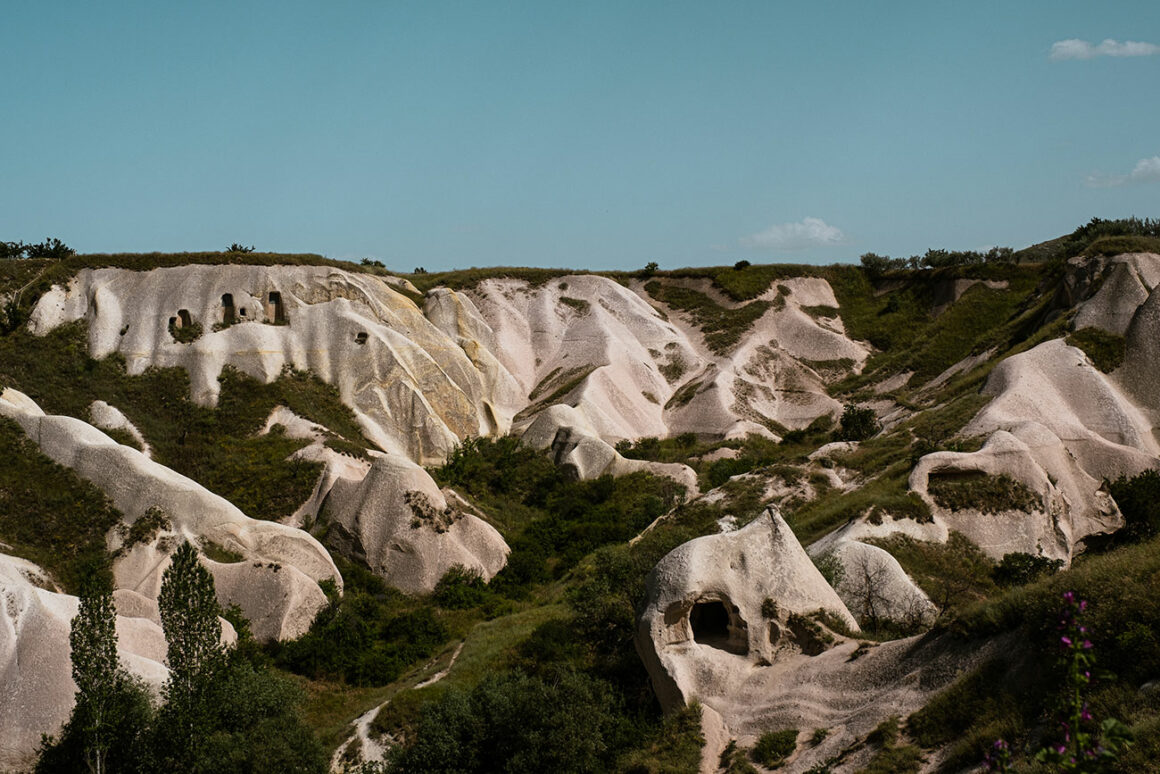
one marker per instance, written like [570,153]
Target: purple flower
[1087,644]
[1066,641]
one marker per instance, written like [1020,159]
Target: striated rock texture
[277,584]
[467,363]
[728,623]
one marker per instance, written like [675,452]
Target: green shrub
[1018,569]
[983,492]
[48,514]
[1105,350]
[857,424]
[723,327]
[774,747]
[517,723]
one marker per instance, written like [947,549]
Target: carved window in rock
[275,308]
[229,313]
[718,624]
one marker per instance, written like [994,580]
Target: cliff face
[466,364]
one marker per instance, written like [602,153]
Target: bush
[857,424]
[1019,569]
[774,747]
[517,723]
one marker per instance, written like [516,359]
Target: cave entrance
[275,309]
[183,318]
[229,315]
[360,337]
[718,625]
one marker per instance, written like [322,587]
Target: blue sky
[581,134]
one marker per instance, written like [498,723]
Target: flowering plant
[1084,746]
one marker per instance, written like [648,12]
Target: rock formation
[280,593]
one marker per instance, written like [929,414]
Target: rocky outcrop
[467,363]
[398,522]
[36,686]
[720,605]
[732,621]
[874,587]
[283,566]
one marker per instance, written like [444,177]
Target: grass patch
[883,497]
[773,747]
[580,305]
[1105,350]
[549,519]
[975,490]
[954,574]
[722,327]
[48,514]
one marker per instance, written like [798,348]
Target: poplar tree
[96,671]
[189,618]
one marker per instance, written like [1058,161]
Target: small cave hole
[228,312]
[183,318]
[714,625]
[360,337]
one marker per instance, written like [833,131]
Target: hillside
[669,517]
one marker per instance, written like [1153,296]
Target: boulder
[722,604]
[399,523]
[36,687]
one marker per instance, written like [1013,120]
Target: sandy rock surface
[36,686]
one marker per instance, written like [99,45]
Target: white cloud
[810,232]
[1081,49]
[1145,171]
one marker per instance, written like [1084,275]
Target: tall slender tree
[96,670]
[189,618]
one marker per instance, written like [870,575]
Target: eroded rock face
[720,605]
[874,587]
[465,365]
[401,525]
[415,390]
[283,565]
[36,686]
[731,622]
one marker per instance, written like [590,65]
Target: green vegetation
[369,637]
[219,448]
[222,710]
[857,424]
[982,492]
[48,514]
[568,722]
[579,304]
[723,327]
[891,757]
[1105,350]
[549,520]
[954,575]
[774,747]
[1018,569]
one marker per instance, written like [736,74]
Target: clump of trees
[50,248]
[222,709]
[875,264]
